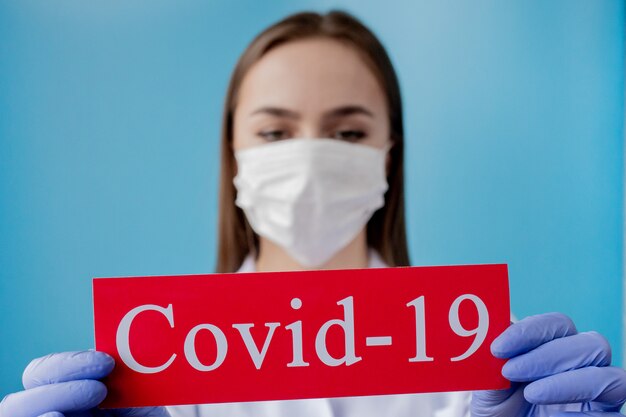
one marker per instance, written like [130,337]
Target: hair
[386,229]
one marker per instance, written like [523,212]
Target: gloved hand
[553,369]
[65,385]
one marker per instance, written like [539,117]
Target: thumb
[588,414]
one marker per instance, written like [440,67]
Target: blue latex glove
[65,385]
[553,369]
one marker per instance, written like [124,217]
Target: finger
[488,398]
[559,355]
[146,412]
[533,331]
[63,397]
[588,414]
[493,403]
[605,385]
[67,366]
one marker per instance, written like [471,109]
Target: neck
[274,258]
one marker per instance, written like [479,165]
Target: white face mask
[310,196]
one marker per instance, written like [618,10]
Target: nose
[310,131]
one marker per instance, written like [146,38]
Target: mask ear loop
[251,238]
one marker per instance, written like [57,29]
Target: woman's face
[316,88]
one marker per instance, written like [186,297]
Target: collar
[375,261]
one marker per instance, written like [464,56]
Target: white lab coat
[446,404]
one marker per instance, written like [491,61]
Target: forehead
[310,74]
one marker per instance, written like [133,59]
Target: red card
[196,339]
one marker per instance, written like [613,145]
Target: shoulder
[375,260]
[247,265]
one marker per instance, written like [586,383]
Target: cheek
[241,138]
[378,137]
[244,136]
[246,141]
[236,144]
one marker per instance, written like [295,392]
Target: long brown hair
[386,230]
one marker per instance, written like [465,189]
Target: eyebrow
[331,114]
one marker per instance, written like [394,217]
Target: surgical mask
[310,196]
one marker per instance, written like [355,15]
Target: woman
[312,177]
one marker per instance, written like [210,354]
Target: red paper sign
[196,339]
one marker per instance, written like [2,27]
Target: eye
[272,135]
[349,135]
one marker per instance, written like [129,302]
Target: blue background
[109,125]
